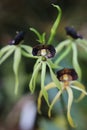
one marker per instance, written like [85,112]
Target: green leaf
[56,98]
[17,58]
[70,100]
[55,25]
[6,55]
[54,78]
[41,38]
[80,87]
[75,61]
[32,83]
[63,55]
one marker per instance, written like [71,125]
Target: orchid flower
[71,45]
[68,80]
[16,46]
[45,52]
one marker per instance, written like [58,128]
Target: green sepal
[63,55]
[70,100]
[41,38]
[5,49]
[32,83]
[27,48]
[43,74]
[54,77]
[6,55]
[52,65]
[62,44]
[75,61]
[80,87]
[17,59]
[55,25]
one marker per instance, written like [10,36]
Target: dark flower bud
[67,74]
[47,51]
[72,32]
[18,38]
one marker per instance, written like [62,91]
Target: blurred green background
[17,15]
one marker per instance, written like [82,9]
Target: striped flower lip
[47,51]
[67,74]
[72,32]
[18,38]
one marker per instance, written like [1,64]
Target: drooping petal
[17,58]
[47,87]
[55,25]
[70,100]
[4,50]
[34,77]
[62,44]
[63,55]
[7,54]
[53,102]
[75,61]
[41,37]
[43,74]
[27,48]
[54,78]
[80,87]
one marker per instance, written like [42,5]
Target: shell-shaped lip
[69,72]
[72,32]
[36,51]
[18,38]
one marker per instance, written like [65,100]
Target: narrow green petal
[61,45]
[54,66]
[17,59]
[41,38]
[70,100]
[63,55]
[54,78]
[39,102]
[43,74]
[53,102]
[5,49]
[80,87]
[82,41]
[6,55]
[34,77]
[24,53]
[83,46]
[27,48]
[55,25]
[47,87]
[37,62]
[75,61]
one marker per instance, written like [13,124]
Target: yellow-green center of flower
[43,52]
[66,77]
